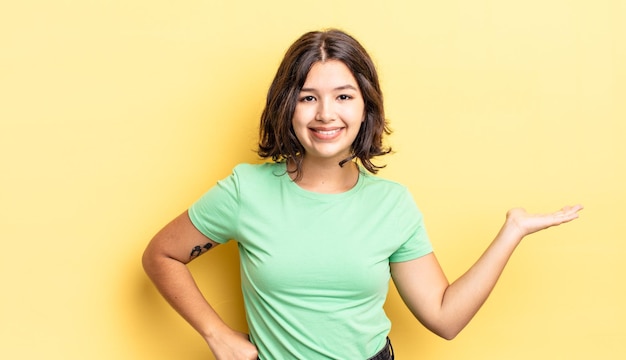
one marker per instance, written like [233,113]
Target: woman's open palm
[530,223]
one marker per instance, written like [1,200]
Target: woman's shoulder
[389,195]
[381,182]
[259,168]
[256,172]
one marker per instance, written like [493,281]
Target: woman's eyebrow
[343,87]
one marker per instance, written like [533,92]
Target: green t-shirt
[314,267]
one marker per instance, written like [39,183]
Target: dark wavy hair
[277,138]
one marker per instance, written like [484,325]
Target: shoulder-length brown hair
[277,137]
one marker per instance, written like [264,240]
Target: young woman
[319,235]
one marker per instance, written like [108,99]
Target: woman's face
[329,112]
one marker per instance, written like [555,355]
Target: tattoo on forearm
[198,250]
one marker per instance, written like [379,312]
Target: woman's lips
[326,134]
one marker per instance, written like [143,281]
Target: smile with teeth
[327,132]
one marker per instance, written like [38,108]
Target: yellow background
[116,115]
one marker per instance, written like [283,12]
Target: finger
[573,209]
[570,209]
[577,207]
[568,213]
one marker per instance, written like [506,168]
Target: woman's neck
[326,177]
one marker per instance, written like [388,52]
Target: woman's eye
[307,98]
[344,97]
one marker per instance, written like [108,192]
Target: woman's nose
[325,111]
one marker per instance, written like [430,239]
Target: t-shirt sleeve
[215,214]
[417,243]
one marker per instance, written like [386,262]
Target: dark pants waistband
[385,354]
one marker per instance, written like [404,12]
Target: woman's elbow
[448,335]
[148,260]
[152,260]
[446,332]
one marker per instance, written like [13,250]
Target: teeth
[329,132]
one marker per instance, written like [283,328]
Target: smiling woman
[328,115]
[319,235]
[277,137]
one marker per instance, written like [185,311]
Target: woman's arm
[164,260]
[446,308]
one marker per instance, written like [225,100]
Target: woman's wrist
[512,232]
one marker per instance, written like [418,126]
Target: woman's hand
[232,345]
[524,223]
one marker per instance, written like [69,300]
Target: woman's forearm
[165,261]
[175,283]
[464,297]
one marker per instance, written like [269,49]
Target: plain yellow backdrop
[116,115]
